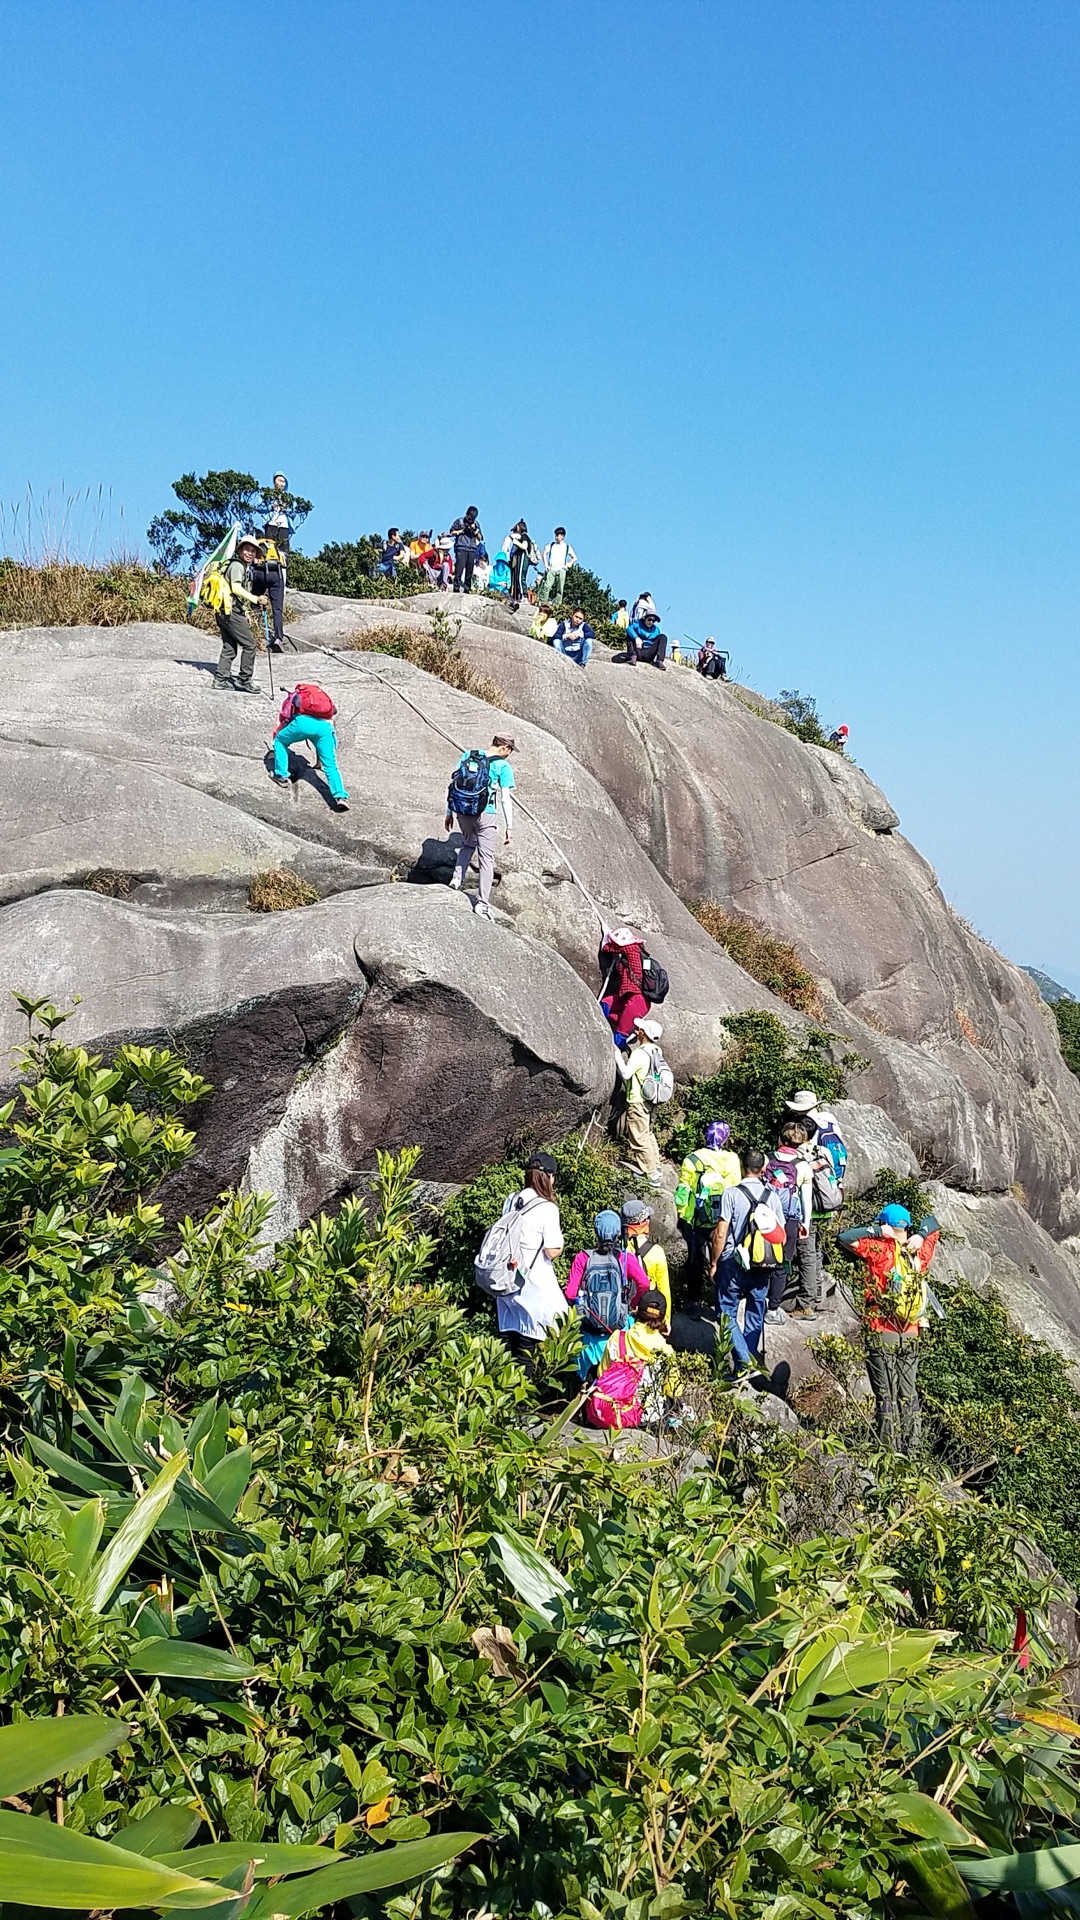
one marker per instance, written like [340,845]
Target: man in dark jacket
[468,539]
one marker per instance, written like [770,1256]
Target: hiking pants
[653,650]
[478,835]
[735,1283]
[307,727]
[892,1362]
[643,1154]
[807,1269]
[519,575]
[270,580]
[464,568]
[579,651]
[551,593]
[235,638]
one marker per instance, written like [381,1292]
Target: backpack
[828,1192]
[783,1177]
[831,1142]
[470,785]
[658,1081]
[761,1244]
[654,980]
[497,1267]
[907,1292]
[614,1401]
[215,591]
[604,1295]
[306,698]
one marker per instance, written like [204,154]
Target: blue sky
[775,305]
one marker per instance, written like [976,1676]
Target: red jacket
[879,1257]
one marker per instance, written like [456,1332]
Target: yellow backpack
[907,1293]
[215,591]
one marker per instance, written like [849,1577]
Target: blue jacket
[641,634]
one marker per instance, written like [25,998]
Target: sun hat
[607,1224]
[248,540]
[894,1216]
[802,1102]
[634,1210]
[541,1163]
[624,937]
[650,1028]
[717,1133]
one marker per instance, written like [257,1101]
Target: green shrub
[775,963]
[349,567]
[1067,1015]
[437,651]
[803,718]
[586,1182]
[761,1069]
[210,505]
[67,594]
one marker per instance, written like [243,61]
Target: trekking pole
[269,653]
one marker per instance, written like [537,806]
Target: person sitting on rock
[839,739]
[622,997]
[604,1284]
[480,831]
[641,1154]
[644,641]
[897,1299]
[234,628]
[394,554]
[295,723]
[711,664]
[574,638]
[637,1239]
[544,624]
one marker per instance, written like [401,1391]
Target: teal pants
[305,727]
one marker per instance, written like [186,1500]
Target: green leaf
[271,1858]
[934,1877]
[227,1482]
[130,1538]
[58,1868]
[35,1750]
[82,1534]
[174,1659]
[71,1470]
[159,1832]
[391,1867]
[533,1578]
[871,1662]
[375,1783]
[1035,1872]
[917,1813]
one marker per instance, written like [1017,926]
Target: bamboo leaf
[32,1751]
[173,1659]
[81,1882]
[130,1538]
[933,1874]
[271,1858]
[82,1534]
[917,1813]
[1039,1717]
[390,1867]
[227,1481]
[1036,1872]
[159,1832]
[533,1578]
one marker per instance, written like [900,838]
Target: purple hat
[717,1133]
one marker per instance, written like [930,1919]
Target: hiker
[789,1172]
[620,618]
[235,631]
[617,1398]
[704,1176]
[574,638]
[522,554]
[802,1107]
[604,1285]
[637,1229]
[558,555]
[422,554]
[544,624]
[622,997]
[711,664]
[278,527]
[467,539]
[642,605]
[268,577]
[307,713]
[897,1297]
[747,1246]
[444,549]
[394,554]
[839,738]
[481,787]
[636,1067]
[525,1317]
[644,641]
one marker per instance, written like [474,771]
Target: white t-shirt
[556,555]
[541,1301]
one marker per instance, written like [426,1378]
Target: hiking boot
[660,665]
[341,806]
[281,780]
[242,686]
[222,686]
[481,907]
[455,881]
[804,1313]
[275,646]
[776,1317]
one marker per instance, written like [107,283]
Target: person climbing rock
[604,1284]
[637,1239]
[789,1172]
[307,713]
[644,641]
[574,638]
[802,1108]
[705,1175]
[481,787]
[897,1299]
[558,555]
[632,1124]
[468,540]
[622,995]
[747,1245]
[526,1317]
[233,626]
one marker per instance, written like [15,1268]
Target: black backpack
[654,980]
[604,1295]
[470,785]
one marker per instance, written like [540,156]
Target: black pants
[235,638]
[270,579]
[519,570]
[653,650]
[522,1349]
[464,567]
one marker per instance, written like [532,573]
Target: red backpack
[306,698]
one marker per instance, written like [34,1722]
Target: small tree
[211,505]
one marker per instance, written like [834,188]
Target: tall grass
[65,562]
[775,963]
[436,652]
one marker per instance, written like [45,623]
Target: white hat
[650,1028]
[802,1102]
[624,937]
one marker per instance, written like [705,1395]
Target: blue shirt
[502,775]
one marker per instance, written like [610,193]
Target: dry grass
[964,1022]
[277,890]
[110,881]
[436,652]
[66,594]
[773,962]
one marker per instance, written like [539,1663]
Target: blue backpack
[604,1295]
[470,785]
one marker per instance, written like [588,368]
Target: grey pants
[892,1362]
[554,587]
[478,836]
[806,1267]
[235,638]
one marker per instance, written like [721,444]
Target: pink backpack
[614,1401]
[306,698]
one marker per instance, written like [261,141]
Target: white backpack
[658,1082]
[497,1268]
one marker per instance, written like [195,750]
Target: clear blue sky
[775,305]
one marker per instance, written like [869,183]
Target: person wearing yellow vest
[704,1176]
[637,1225]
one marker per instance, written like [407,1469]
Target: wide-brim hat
[803,1102]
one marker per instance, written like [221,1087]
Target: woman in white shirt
[524,1318]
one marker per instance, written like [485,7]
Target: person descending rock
[747,1247]
[644,641]
[468,540]
[526,1317]
[574,638]
[897,1298]
[636,1069]
[637,1229]
[705,1175]
[481,785]
[233,626]
[604,1285]
[558,555]
[307,713]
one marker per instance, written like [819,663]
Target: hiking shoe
[341,806]
[281,780]
[481,907]
[660,665]
[455,881]
[275,646]
[222,686]
[242,686]
[804,1313]
[776,1317]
